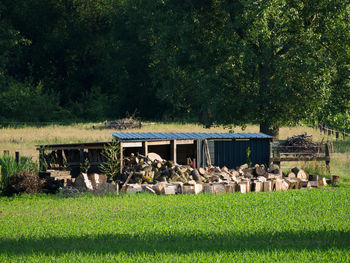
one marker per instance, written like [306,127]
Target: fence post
[328,158]
[17,157]
[337,135]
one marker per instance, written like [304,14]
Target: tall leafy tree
[245,61]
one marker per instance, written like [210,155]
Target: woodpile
[123,124]
[298,144]
[154,175]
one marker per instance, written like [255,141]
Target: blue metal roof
[135,136]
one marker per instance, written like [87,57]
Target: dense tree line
[214,61]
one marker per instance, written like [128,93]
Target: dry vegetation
[25,139]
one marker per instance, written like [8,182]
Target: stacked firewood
[153,174]
[299,143]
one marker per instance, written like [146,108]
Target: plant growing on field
[249,159]
[84,167]
[111,165]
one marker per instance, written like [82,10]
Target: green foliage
[342,146]
[111,164]
[27,103]
[267,62]
[249,159]
[293,226]
[10,167]
[84,167]
[315,168]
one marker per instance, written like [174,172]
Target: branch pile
[299,144]
[123,124]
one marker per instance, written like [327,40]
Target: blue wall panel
[234,153]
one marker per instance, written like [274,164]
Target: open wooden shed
[219,149]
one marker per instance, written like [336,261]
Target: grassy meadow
[293,226]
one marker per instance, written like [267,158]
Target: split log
[296,170]
[302,175]
[335,179]
[285,186]
[260,170]
[313,177]
[267,186]
[322,181]
[259,186]
[291,175]
[242,187]
[274,168]
[196,176]
[219,188]
[208,188]
[153,156]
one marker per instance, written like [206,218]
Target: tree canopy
[213,61]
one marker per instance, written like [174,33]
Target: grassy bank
[294,226]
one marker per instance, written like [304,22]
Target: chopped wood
[291,175]
[302,175]
[196,176]
[335,179]
[267,186]
[260,170]
[322,181]
[154,157]
[258,186]
[159,173]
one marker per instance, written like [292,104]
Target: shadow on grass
[150,243]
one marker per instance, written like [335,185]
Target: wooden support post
[194,163]
[6,152]
[17,157]
[60,157]
[42,166]
[276,154]
[173,150]
[329,132]
[81,157]
[197,153]
[327,157]
[121,157]
[145,147]
[337,135]
[344,135]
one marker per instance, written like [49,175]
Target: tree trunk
[270,128]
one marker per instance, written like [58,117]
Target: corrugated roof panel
[183,136]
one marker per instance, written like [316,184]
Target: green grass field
[293,226]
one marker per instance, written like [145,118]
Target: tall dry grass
[26,139]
